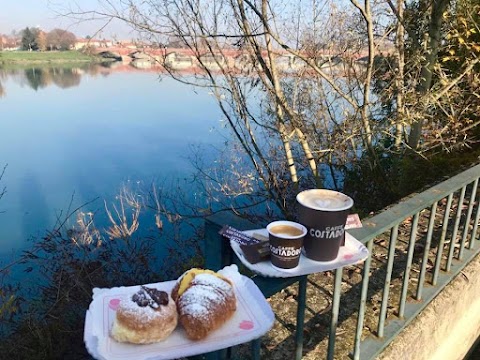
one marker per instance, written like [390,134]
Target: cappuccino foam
[326,200]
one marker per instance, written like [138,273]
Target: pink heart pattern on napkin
[246,325]
[113,304]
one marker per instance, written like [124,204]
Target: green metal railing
[456,225]
[439,226]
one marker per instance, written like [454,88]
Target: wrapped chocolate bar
[254,253]
[237,236]
[255,248]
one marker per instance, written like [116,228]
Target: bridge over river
[180,59]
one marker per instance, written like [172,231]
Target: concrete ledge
[448,327]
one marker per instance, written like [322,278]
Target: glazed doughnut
[148,316]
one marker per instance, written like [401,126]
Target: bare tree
[315,97]
[400,74]
[59,39]
[438,8]
[300,102]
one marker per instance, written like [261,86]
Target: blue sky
[18,14]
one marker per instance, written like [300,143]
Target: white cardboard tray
[252,319]
[353,252]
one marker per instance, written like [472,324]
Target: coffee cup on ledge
[286,241]
[324,214]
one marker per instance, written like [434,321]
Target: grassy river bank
[23,57]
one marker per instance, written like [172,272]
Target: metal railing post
[388,277]
[453,241]
[301,305]
[426,250]
[337,290]
[471,202]
[406,276]
[438,259]
[363,302]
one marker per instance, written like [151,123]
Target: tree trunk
[399,78]
[434,34]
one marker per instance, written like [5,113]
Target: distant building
[178,61]
[8,43]
[81,43]
[127,45]
[213,62]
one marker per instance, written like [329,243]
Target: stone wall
[448,327]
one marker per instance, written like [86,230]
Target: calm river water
[71,131]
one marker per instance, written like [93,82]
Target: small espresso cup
[286,241]
[324,214]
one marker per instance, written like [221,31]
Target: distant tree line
[34,39]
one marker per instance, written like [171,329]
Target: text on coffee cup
[284,251]
[330,232]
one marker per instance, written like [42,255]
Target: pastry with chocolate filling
[148,316]
[205,301]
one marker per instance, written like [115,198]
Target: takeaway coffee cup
[324,214]
[286,240]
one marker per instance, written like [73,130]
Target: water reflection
[63,75]
[63,78]
[87,140]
